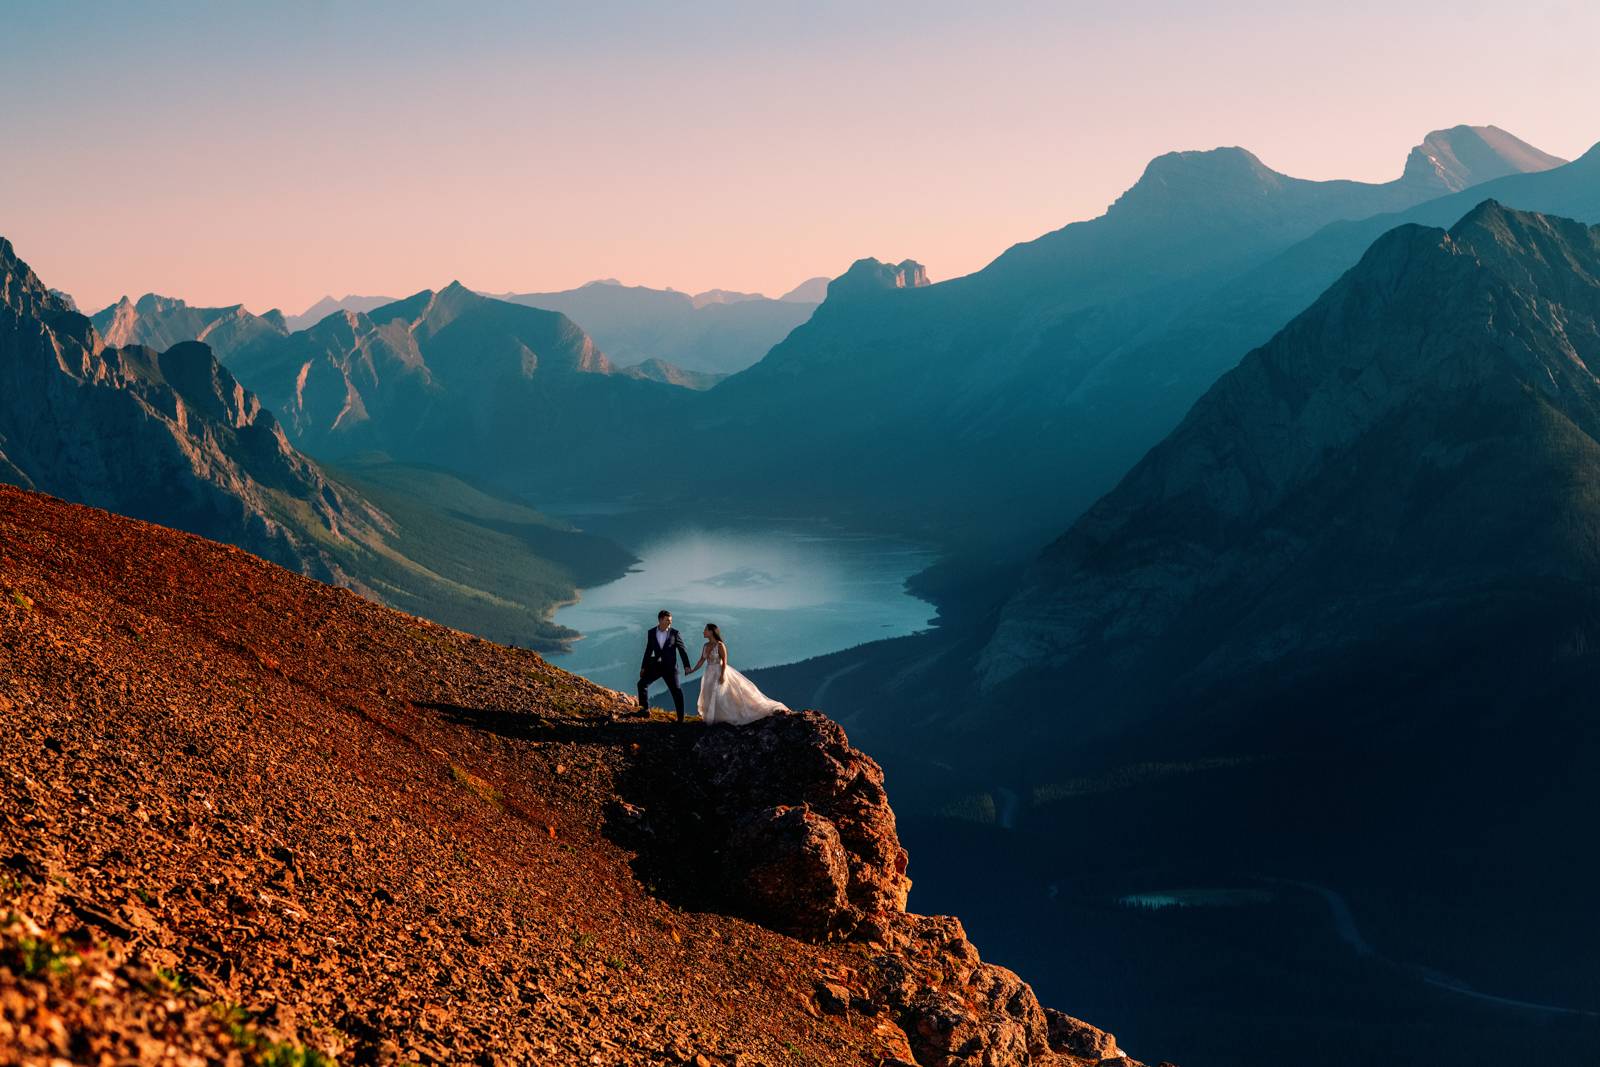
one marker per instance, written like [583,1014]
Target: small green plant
[261,1051]
[288,1054]
[616,964]
[173,981]
[40,955]
[22,600]
[475,785]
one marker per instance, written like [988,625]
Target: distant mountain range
[716,332]
[702,337]
[328,305]
[161,322]
[173,437]
[453,378]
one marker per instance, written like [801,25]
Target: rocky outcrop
[808,829]
[870,276]
[805,839]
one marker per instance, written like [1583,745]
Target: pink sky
[273,157]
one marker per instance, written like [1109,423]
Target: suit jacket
[660,660]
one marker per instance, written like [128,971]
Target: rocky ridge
[160,322]
[259,820]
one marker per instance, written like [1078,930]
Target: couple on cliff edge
[726,696]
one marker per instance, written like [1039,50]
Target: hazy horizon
[705,146]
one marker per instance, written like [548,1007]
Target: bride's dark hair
[716,634]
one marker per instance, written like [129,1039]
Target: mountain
[1173,364]
[1034,383]
[1464,156]
[328,305]
[653,370]
[715,332]
[172,437]
[163,321]
[810,291]
[1409,454]
[166,436]
[451,378]
[722,296]
[254,819]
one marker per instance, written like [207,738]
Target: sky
[269,154]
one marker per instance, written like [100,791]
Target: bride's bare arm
[699,661]
[722,657]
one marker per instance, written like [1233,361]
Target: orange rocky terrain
[248,818]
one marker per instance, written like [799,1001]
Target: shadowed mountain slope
[255,819]
[1416,450]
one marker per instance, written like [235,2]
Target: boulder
[809,831]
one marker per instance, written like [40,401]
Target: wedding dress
[736,701]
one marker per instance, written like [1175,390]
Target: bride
[725,694]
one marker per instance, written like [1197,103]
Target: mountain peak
[872,275]
[1200,176]
[1463,156]
[21,289]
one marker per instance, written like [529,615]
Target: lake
[779,594]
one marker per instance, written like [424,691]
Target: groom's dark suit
[660,661]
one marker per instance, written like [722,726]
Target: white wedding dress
[736,700]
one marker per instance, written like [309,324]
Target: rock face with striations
[167,436]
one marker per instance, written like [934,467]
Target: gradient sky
[271,155]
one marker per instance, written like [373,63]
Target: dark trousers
[670,676]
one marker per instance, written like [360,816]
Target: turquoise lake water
[779,595]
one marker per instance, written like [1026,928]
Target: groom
[662,646]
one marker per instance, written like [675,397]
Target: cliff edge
[248,818]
